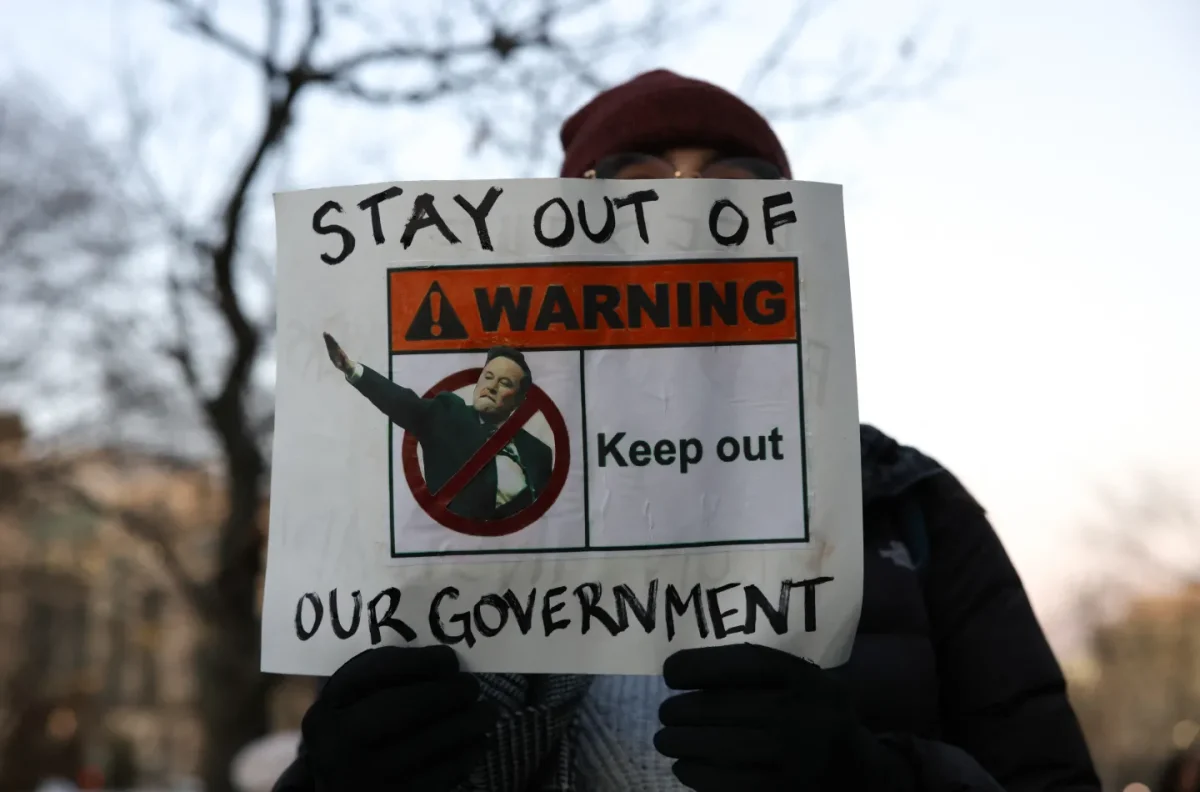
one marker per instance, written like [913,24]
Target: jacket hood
[889,468]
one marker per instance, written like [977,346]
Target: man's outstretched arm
[402,405]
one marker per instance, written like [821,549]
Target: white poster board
[674,464]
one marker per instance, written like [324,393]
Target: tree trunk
[234,693]
[233,698]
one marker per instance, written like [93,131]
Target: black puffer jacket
[949,660]
[949,663]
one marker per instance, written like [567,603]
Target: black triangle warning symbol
[435,319]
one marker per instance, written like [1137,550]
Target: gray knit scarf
[533,749]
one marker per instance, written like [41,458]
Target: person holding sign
[951,685]
[451,432]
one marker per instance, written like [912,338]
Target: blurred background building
[1138,690]
[96,665]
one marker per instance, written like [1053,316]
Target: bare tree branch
[316,30]
[576,65]
[181,350]
[411,96]
[273,11]
[894,73]
[400,52]
[199,20]
[773,55]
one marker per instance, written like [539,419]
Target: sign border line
[586,548]
[391,427]
[587,498]
[687,345]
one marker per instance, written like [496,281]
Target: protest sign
[565,426]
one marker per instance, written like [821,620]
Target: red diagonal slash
[494,445]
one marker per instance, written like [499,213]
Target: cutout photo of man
[450,431]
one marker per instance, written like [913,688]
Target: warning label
[587,406]
[602,305]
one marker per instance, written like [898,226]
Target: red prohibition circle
[513,523]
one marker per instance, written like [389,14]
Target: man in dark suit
[450,431]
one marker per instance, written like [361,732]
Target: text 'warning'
[558,306]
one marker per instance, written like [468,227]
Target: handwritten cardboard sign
[565,426]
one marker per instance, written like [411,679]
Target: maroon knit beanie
[661,109]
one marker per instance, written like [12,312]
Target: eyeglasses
[647,166]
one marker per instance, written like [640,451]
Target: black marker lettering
[773,221]
[548,622]
[318,612]
[776,617]
[371,203]
[438,627]
[424,215]
[336,623]
[810,601]
[376,623]
[524,616]
[718,616]
[636,199]
[565,235]
[496,602]
[589,599]
[676,605]
[333,228]
[610,222]
[645,614]
[479,214]
[714,217]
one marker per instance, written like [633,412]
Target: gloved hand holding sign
[758,718]
[397,718]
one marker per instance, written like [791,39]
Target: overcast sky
[1024,245]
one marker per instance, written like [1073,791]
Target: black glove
[397,718]
[762,719]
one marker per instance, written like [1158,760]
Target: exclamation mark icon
[435,314]
[436,319]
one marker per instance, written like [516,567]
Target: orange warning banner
[557,306]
